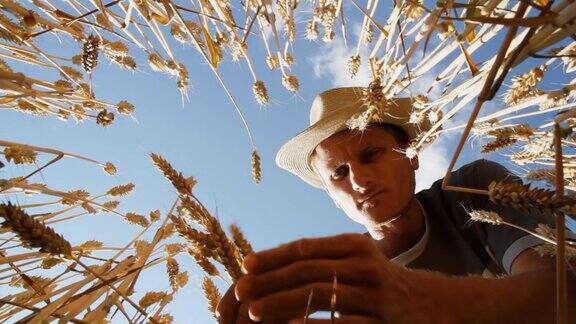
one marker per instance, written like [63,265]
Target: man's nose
[360,177]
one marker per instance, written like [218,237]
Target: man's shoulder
[477,174]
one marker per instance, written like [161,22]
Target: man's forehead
[326,149]
[371,133]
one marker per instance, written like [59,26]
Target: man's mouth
[367,201]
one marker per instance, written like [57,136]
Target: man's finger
[227,309]
[285,305]
[333,247]
[351,271]
[243,317]
[348,319]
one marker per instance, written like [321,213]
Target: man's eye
[371,154]
[339,173]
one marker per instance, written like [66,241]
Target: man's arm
[528,295]
[373,290]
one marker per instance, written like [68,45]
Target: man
[386,278]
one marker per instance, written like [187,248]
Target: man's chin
[376,232]
[377,223]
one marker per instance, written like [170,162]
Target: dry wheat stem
[486,87]
[236,107]
[35,309]
[561,289]
[136,306]
[77,201]
[48,150]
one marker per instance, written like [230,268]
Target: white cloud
[433,164]
[332,62]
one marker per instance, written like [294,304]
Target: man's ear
[415,162]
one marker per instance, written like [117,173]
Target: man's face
[365,174]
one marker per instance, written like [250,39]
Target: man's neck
[403,233]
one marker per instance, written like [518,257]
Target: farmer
[423,260]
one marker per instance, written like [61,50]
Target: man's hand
[370,289]
[231,311]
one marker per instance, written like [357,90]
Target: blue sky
[203,138]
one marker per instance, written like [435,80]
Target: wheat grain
[19,154]
[241,242]
[109,168]
[154,215]
[522,131]
[373,95]
[237,50]
[289,59]
[121,190]
[164,319]
[137,219]
[212,295]
[74,197]
[272,62]
[63,85]
[114,49]
[125,62]
[179,32]
[413,9]
[105,118]
[5,67]
[548,175]
[256,168]
[527,199]
[497,144]
[50,262]
[192,234]
[260,93]
[157,63]
[111,205]
[151,298]
[353,65]
[202,260]
[90,53]
[32,233]
[173,249]
[446,29]
[124,107]
[485,216]
[523,86]
[72,73]
[89,246]
[182,279]
[548,249]
[311,30]
[183,185]
[368,34]
[172,270]
[226,252]
[290,82]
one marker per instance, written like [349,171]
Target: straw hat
[330,112]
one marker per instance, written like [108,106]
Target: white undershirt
[415,251]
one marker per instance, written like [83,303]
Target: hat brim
[294,156]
